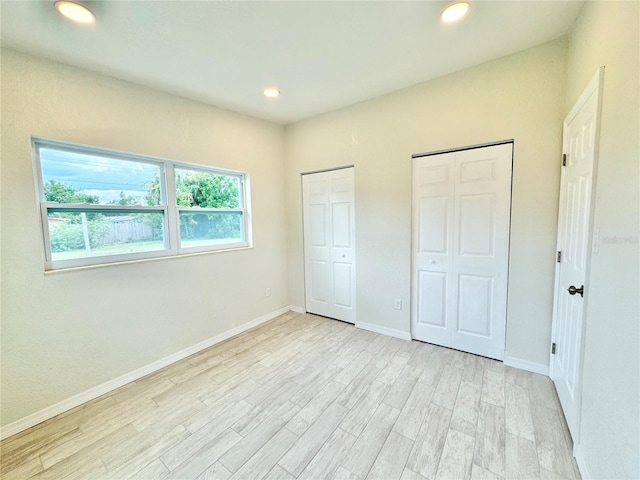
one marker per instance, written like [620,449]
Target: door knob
[573,290]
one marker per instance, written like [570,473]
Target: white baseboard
[526,365]
[83,397]
[296,308]
[392,332]
[582,464]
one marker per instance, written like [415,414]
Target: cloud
[97,175]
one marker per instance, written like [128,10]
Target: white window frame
[168,206]
[241,208]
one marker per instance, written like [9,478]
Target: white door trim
[460,149]
[311,172]
[594,85]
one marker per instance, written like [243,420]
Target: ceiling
[322,55]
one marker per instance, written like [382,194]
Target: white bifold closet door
[461,223]
[329,244]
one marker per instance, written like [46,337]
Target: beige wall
[522,97]
[606,33]
[64,333]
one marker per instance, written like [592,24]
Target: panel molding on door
[433,252]
[575,225]
[461,224]
[329,243]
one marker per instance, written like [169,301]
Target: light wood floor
[307,397]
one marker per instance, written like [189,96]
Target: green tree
[55,191]
[204,190]
[127,200]
[60,192]
[68,235]
[200,189]
[153,196]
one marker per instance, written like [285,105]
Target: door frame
[304,270]
[311,172]
[594,85]
[453,150]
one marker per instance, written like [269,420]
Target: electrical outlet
[267,292]
[397,304]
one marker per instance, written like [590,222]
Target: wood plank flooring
[306,397]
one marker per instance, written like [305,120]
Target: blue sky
[104,177]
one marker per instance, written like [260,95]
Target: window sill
[145,260]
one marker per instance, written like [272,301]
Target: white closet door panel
[433,218]
[341,219]
[462,204]
[319,290]
[342,284]
[329,243]
[317,224]
[431,315]
[476,225]
[475,305]
[483,217]
[317,244]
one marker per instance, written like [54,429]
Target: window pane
[210,228]
[92,234]
[71,177]
[206,190]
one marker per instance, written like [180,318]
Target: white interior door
[461,219]
[329,243]
[574,233]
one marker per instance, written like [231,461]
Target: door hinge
[564,159]
[553,348]
[559,257]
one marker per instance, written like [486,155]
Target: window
[209,207]
[99,206]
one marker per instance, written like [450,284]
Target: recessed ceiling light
[75,11]
[271,92]
[454,12]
